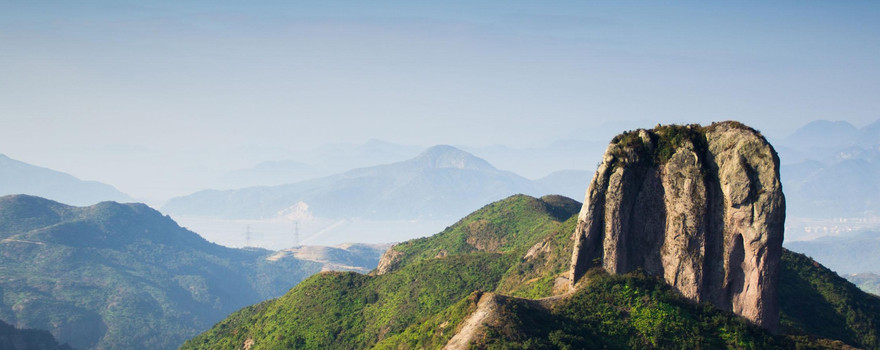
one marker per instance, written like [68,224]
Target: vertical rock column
[753,222]
[707,216]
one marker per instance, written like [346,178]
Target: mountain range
[849,253]
[832,169]
[318,162]
[17,177]
[441,182]
[124,276]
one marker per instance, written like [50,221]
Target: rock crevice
[701,207]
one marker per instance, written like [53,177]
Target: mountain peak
[445,156]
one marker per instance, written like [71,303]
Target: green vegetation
[631,311]
[671,137]
[482,252]
[509,226]
[123,276]
[436,330]
[815,300]
[663,141]
[519,246]
[353,311]
[660,143]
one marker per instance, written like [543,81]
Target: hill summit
[443,156]
[701,207]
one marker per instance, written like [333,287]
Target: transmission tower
[247,236]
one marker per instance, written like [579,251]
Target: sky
[153,96]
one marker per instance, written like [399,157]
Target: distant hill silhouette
[18,177]
[441,182]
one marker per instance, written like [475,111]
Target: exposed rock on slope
[700,206]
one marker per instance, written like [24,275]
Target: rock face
[700,206]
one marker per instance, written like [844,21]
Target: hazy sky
[139,93]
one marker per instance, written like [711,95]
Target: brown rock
[388,261]
[701,207]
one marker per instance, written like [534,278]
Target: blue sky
[189,80]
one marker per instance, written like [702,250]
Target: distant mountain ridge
[441,182]
[838,170]
[325,160]
[18,177]
[850,253]
[124,276]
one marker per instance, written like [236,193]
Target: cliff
[701,207]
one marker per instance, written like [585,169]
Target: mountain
[822,136]
[421,278]
[441,182]
[498,279]
[870,134]
[21,178]
[832,170]
[855,252]
[12,338]
[318,162]
[700,207]
[344,257]
[123,276]
[843,188]
[869,282]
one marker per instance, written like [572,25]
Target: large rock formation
[700,206]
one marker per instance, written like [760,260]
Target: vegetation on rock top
[664,140]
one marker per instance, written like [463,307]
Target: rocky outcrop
[701,207]
[388,261]
[475,324]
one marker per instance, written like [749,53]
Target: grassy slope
[631,311]
[819,310]
[346,310]
[817,301]
[431,291]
